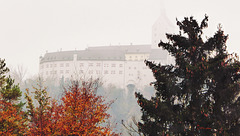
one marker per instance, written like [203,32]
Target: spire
[162,8]
[162,26]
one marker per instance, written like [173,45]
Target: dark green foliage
[3,71]
[12,118]
[198,95]
[9,92]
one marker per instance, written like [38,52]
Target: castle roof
[114,53]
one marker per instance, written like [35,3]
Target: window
[120,72]
[61,65]
[55,72]
[98,64]
[136,57]
[90,64]
[105,65]
[81,65]
[113,65]
[47,66]
[55,65]
[98,72]
[129,68]
[46,72]
[112,72]
[67,72]
[120,65]
[105,72]
[67,64]
[61,71]
[81,71]
[130,58]
[90,72]
[50,65]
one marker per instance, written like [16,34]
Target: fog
[32,33]
[30,28]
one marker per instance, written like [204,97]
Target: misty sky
[30,27]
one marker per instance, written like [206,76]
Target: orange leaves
[83,112]
[156,105]
[193,48]
[11,122]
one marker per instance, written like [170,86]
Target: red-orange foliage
[43,119]
[84,113]
[47,122]
[11,120]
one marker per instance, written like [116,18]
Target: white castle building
[114,65]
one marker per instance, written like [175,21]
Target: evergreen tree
[12,121]
[8,90]
[3,71]
[198,95]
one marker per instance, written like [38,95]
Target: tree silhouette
[198,95]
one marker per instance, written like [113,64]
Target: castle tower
[162,26]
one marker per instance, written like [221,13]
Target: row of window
[89,72]
[104,72]
[100,64]
[82,65]
[55,65]
[105,65]
[55,72]
[136,58]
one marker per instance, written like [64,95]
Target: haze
[30,28]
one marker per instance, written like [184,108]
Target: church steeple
[162,26]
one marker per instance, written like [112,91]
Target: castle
[114,65]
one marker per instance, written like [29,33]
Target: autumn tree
[83,112]
[44,115]
[12,121]
[198,95]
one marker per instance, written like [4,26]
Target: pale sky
[29,28]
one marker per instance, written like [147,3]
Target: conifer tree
[9,91]
[12,121]
[198,95]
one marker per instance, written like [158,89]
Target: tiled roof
[115,53]
[125,48]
